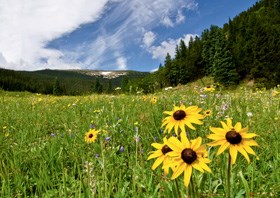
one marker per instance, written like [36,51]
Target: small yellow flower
[275,93]
[91,136]
[235,138]
[144,98]
[209,88]
[207,112]
[154,100]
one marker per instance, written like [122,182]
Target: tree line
[247,47]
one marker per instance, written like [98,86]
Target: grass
[43,152]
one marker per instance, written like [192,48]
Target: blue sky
[103,34]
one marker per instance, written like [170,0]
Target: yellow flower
[235,138]
[209,88]
[144,98]
[275,93]
[187,155]
[207,112]
[160,154]
[181,116]
[91,136]
[154,100]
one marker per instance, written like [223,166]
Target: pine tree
[57,89]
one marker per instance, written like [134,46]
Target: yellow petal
[223,147]
[190,125]
[214,136]
[187,175]
[176,128]
[204,166]
[157,145]
[179,170]
[237,126]
[168,112]
[217,130]
[197,166]
[195,144]
[157,162]
[233,153]
[248,149]
[250,142]
[175,144]
[217,142]
[202,150]
[243,152]
[244,130]
[229,123]
[182,127]
[225,126]
[155,154]
[248,135]
[185,140]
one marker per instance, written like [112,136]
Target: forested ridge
[247,47]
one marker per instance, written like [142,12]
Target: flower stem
[177,187]
[228,176]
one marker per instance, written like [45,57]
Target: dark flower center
[233,137]
[90,135]
[165,149]
[208,87]
[179,115]
[188,155]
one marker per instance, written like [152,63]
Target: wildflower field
[136,146]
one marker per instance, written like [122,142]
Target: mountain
[70,82]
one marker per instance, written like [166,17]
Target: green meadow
[44,152]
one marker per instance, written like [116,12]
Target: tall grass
[43,152]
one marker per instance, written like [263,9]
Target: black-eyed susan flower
[235,138]
[160,154]
[91,135]
[154,100]
[209,88]
[187,155]
[207,112]
[181,117]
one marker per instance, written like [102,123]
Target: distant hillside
[69,82]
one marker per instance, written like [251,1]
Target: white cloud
[149,38]
[160,52]
[122,63]
[27,26]
[167,22]
[180,18]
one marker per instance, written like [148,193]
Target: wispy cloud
[149,38]
[124,25]
[30,25]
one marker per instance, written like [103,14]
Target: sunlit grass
[44,153]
